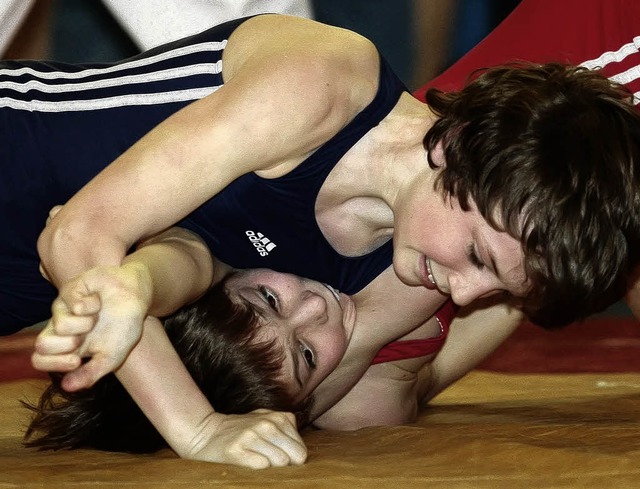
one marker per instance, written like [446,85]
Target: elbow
[50,239]
[67,247]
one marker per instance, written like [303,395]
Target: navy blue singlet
[271,223]
[61,124]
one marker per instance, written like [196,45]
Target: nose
[310,309]
[465,289]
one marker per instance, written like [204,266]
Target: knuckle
[264,425]
[234,450]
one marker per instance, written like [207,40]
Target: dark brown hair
[550,154]
[216,340]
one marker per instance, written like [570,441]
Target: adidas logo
[263,244]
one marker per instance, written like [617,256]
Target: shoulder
[336,63]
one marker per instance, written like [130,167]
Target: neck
[401,159]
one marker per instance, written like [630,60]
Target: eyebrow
[494,266]
[260,311]
[255,306]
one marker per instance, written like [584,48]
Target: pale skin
[388,393]
[322,319]
[368,197]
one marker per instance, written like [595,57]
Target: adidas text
[262,244]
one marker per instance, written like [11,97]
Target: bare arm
[474,335]
[393,393]
[175,267]
[278,104]
[387,393]
[99,314]
[180,268]
[186,420]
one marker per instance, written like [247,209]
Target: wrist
[142,281]
[205,432]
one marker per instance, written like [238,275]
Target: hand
[98,315]
[259,439]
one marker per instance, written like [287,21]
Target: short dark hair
[216,339]
[550,154]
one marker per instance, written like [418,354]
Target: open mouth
[430,276]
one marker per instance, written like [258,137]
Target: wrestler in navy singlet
[61,124]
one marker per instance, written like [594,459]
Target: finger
[285,421]
[52,213]
[66,325]
[55,363]
[249,459]
[76,302]
[51,344]
[294,449]
[78,296]
[287,442]
[66,321]
[266,451]
[86,305]
[48,342]
[88,374]
[288,423]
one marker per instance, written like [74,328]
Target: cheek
[333,348]
[424,223]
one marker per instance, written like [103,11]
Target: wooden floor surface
[490,431]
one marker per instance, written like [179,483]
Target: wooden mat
[491,430]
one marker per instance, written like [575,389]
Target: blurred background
[420,38]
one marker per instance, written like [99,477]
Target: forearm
[173,404]
[179,269]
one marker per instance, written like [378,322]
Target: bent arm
[393,393]
[100,313]
[386,394]
[263,119]
[187,421]
[475,333]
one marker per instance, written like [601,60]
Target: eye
[270,297]
[473,257]
[308,355]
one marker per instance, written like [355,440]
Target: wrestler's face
[309,320]
[440,246]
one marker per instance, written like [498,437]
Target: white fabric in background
[12,14]
[154,22]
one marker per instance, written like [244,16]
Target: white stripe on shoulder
[174,53]
[613,56]
[154,76]
[108,102]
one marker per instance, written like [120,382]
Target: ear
[437,156]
